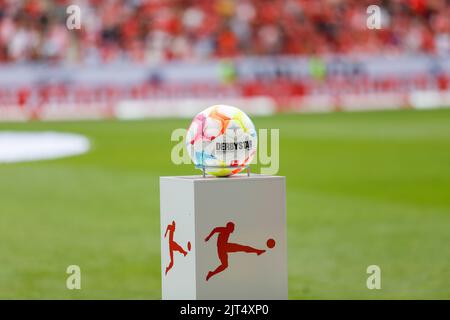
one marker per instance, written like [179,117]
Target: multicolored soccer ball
[222,140]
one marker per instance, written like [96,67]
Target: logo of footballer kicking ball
[174,246]
[221,140]
[225,247]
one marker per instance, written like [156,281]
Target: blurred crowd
[146,31]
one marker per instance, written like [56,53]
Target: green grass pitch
[362,189]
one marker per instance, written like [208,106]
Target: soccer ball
[222,140]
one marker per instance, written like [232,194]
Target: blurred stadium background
[363,187]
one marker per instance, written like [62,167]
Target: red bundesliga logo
[224,247]
[174,246]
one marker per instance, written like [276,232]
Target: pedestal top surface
[236,177]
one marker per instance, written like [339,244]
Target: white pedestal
[247,250]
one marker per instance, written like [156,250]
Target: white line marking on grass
[18,146]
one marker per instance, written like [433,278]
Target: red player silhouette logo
[173,246]
[224,247]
